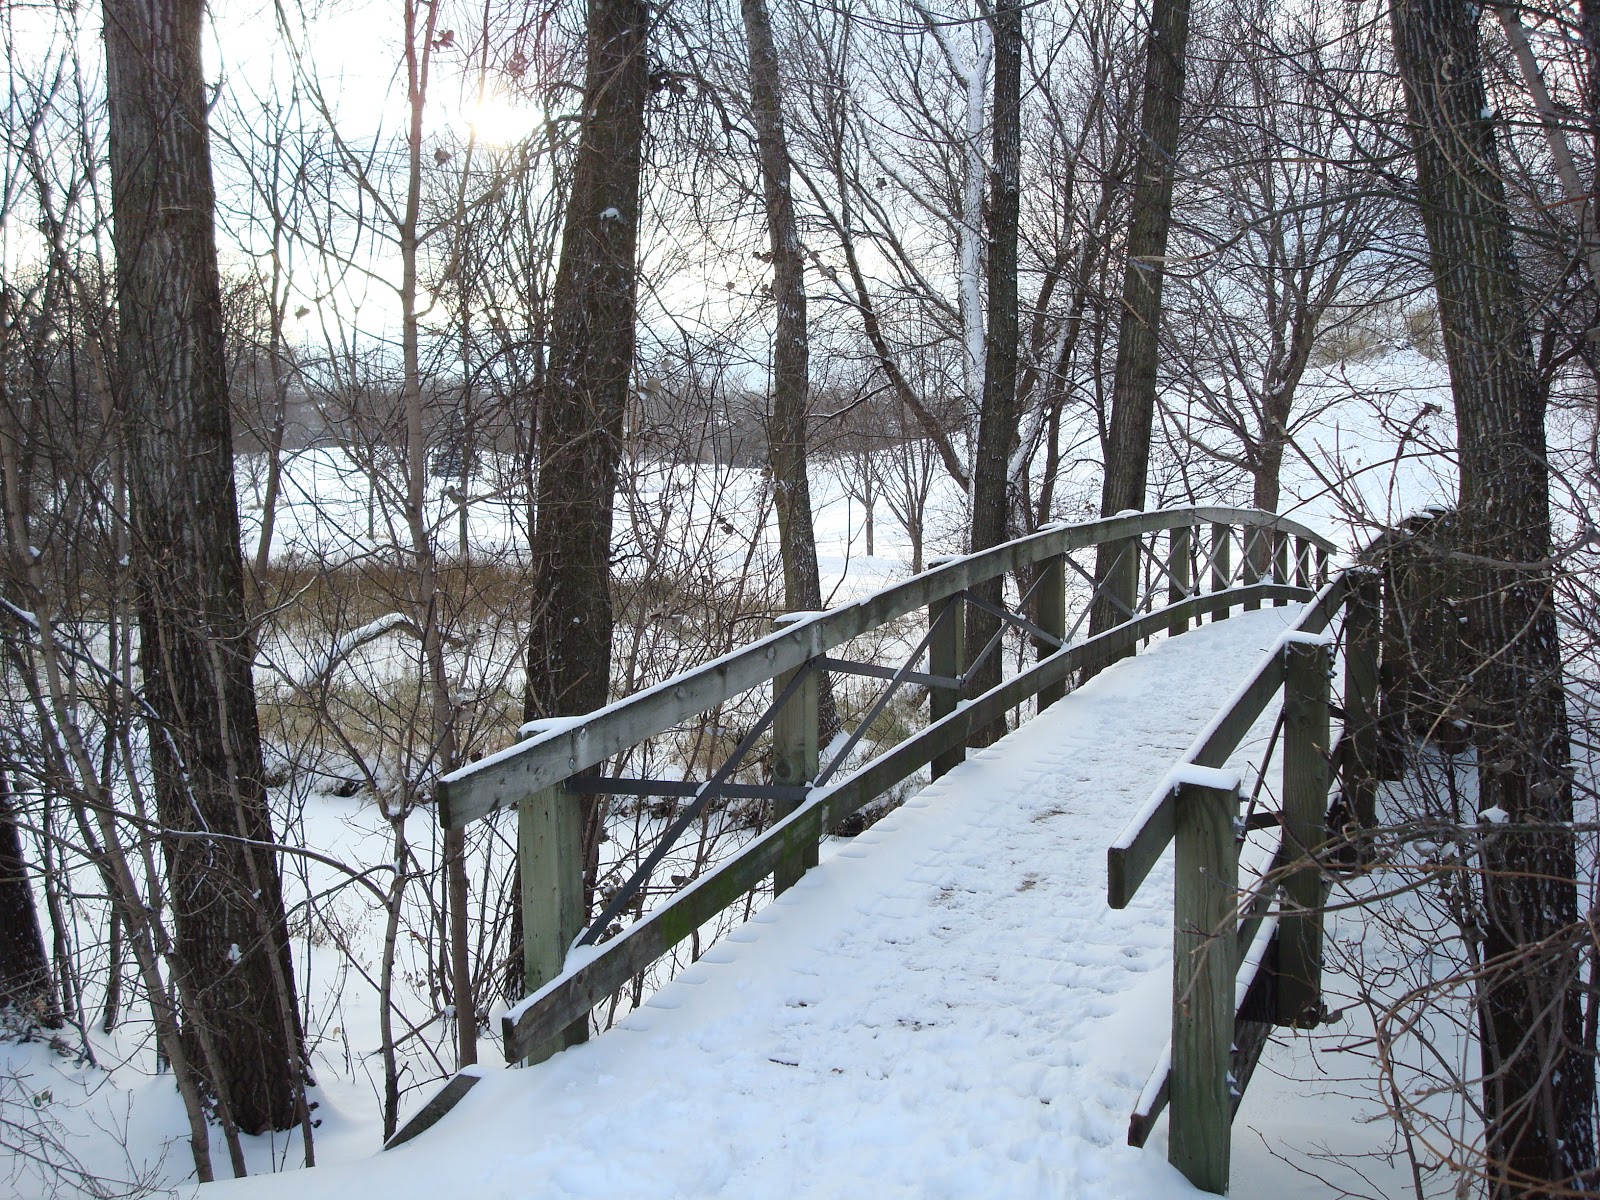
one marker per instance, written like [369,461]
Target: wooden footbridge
[1246,937]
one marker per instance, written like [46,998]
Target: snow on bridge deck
[944,1008]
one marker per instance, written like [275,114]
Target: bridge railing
[1189,571]
[1248,958]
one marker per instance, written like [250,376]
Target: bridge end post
[1180,578]
[1306,738]
[1204,962]
[795,755]
[550,863]
[1050,615]
[947,652]
[1221,564]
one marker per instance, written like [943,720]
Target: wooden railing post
[1305,805]
[1280,562]
[550,862]
[794,762]
[1302,562]
[1221,564]
[1361,699]
[1180,577]
[947,654]
[1255,560]
[1050,615]
[1204,962]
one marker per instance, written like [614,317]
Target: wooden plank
[1138,848]
[1204,966]
[501,779]
[431,1113]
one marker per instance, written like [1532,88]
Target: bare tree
[1538,1081]
[195,648]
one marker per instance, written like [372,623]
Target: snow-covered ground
[946,1007]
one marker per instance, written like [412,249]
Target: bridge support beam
[947,653]
[794,763]
[1050,615]
[1306,737]
[550,860]
[1205,960]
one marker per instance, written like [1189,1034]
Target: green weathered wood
[794,762]
[1280,558]
[502,779]
[1204,964]
[550,861]
[1050,614]
[1221,563]
[569,998]
[1128,862]
[1180,581]
[1361,699]
[1306,737]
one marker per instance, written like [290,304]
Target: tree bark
[787,437]
[1133,396]
[195,653]
[25,981]
[1538,1084]
[586,384]
[997,419]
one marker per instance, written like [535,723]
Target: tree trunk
[997,420]
[25,981]
[1133,396]
[1538,1084]
[791,369]
[586,384]
[195,652]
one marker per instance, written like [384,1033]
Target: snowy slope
[945,1007]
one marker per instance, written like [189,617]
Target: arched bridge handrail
[563,748]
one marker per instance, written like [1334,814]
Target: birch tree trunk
[1538,1083]
[997,419]
[195,651]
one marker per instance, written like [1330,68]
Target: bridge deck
[946,1007]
